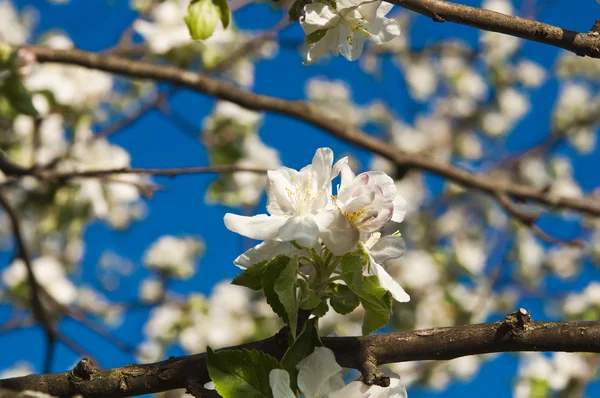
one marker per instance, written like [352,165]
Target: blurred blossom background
[150,260]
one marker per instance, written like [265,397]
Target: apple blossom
[346,26]
[379,250]
[320,376]
[365,203]
[296,202]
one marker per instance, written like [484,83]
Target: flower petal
[399,209]
[279,380]
[337,233]
[321,166]
[315,372]
[384,9]
[389,284]
[318,16]
[316,50]
[259,227]
[387,248]
[383,30]
[263,251]
[302,229]
[279,183]
[350,45]
[369,9]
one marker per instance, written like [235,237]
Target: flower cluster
[305,216]
[343,27]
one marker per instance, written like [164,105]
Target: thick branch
[310,114]
[516,333]
[584,44]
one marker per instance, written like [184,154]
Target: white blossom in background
[513,104]
[256,155]
[421,78]
[48,272]
[497,46]
[174,256]
[530,74]
[167,28]
[335,98]
[575,305]
[72,86]
[14,28]
[150,290]
[51,139]
[347,27]
[540,374]
[17,370]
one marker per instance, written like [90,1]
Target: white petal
[259,227]
[318,16]
[360,201]
[369,9]
[321,166]
[263,251]
[336,231]
[355,389]
[384,181]
[399,209]
[389,284]
[302,229]
[338,167]
[315,372]
[279,380]
[316,50]
[397,390]
[344,6]
[383,30]
[384,9]
[278,185]
[350,45]
[387,248]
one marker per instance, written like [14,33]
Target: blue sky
[155,142]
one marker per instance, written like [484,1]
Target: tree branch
[584,44]
[311,114]
[517,332]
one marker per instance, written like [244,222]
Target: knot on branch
[595,30]
[371,375]
[515,324]
[83,370]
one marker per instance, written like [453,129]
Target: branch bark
[311,114]
[583,44]
[517,332]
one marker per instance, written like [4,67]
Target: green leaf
[203,15]
[309,298]
[315,36]
[302,347]
[321,309]
[344,300]
[252,276]
[376,301]
[286,288]
[270,275]
[241,373]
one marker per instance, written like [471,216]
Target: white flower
[48,272]
[347,27]
[320,376]
[168,29]
[174,255]
[296,200]
[364,204]
[379,251]
[264,251]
